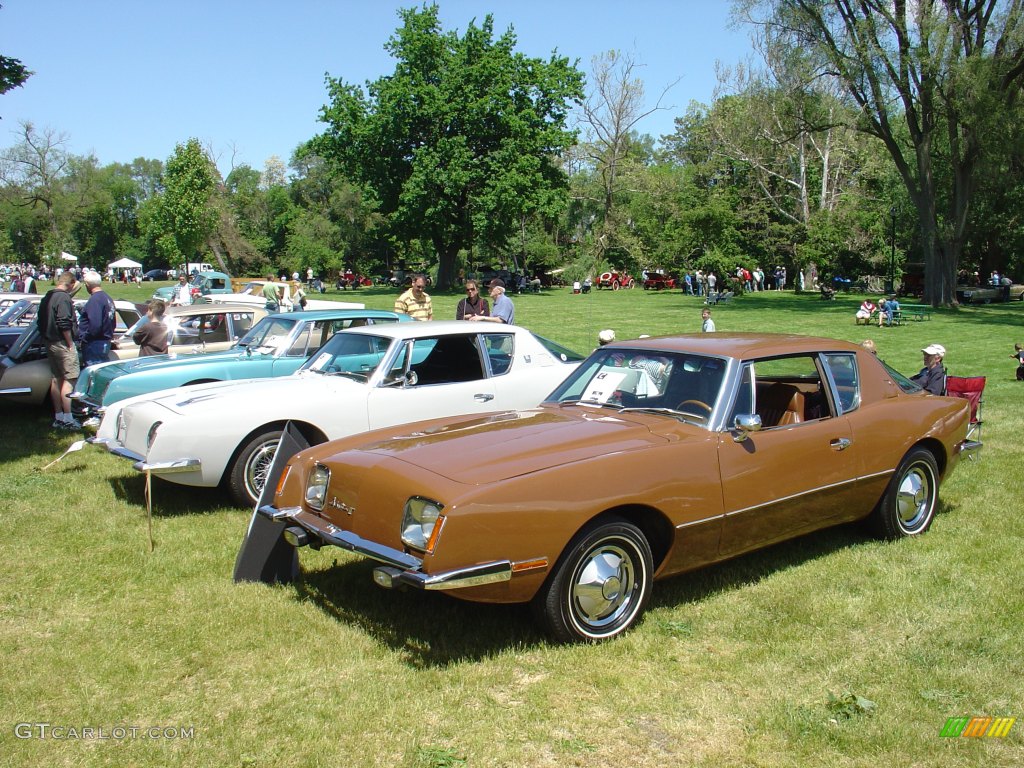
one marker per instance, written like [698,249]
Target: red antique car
[719,444]
[615,280]
[656,281]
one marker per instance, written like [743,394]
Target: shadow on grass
[427,629]
[434,630]
[27,435]
[169,499]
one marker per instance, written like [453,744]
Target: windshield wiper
[349,374]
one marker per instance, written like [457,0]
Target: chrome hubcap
[914,498]
[603,586]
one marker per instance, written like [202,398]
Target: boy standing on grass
[1018,353]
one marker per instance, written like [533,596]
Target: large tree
[184,217]
[459,143]
[928,76]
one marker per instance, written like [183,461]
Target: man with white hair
[503,310]
[96,326]
[932,377]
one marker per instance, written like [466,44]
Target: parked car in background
[156,274]
[201,283]
[986,294]
[713,445]
[252,295]
[615,280]
[25,371]
[16,318]
[275,346]
[657,281]
[195,328]
[7,298]
[361,379]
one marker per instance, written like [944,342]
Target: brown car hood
[494,447]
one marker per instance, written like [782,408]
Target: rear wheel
[600,585]
[908,506]
[248,474]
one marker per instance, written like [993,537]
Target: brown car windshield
[622,378]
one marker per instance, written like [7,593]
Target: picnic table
[916,311]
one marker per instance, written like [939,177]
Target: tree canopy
[460,143]
[927,77]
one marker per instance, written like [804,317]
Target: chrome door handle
[840,444]
[483,397]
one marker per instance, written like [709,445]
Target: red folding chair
[971,389]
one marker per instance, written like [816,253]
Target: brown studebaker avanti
[712,445]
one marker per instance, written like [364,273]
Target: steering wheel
[701,403]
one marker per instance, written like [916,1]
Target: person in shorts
[58,327]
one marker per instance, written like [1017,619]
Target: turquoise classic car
[275,346]
[202,283]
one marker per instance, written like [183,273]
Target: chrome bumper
[141,465]
[400,568]
[969,449]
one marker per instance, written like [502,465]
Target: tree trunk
[446,256]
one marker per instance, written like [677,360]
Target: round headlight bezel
[317,482]
[421,521]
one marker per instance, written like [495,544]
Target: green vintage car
[275,346]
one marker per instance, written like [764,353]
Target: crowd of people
[701,283]
[416,302]
[77,339]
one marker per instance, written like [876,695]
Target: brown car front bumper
[399,569]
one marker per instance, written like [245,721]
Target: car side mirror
[744,424]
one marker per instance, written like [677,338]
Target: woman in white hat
[932,377]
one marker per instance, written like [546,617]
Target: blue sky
[133,78]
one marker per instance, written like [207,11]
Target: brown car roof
[740,346]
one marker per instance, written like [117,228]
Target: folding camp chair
[971,389]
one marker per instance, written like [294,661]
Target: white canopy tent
[124,263]
[68,256]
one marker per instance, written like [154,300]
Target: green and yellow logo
[978,727]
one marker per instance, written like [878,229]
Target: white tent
[124,263]
[68,256]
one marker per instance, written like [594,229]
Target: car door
[434,376]
[796,473]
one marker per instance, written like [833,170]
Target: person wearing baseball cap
[932,377]
[502,310]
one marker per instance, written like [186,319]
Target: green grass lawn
[755,662]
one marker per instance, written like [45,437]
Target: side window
[241,322]
[744,404]
[788,391]
[301,343]
[214,328]
[500,348]
[843,370]
[447,359]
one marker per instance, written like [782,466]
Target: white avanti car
[227,433]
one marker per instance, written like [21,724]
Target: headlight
[151,435]
[316,487]
[421,523]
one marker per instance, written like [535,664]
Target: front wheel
[600,584]
[249,472]
[908,506]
